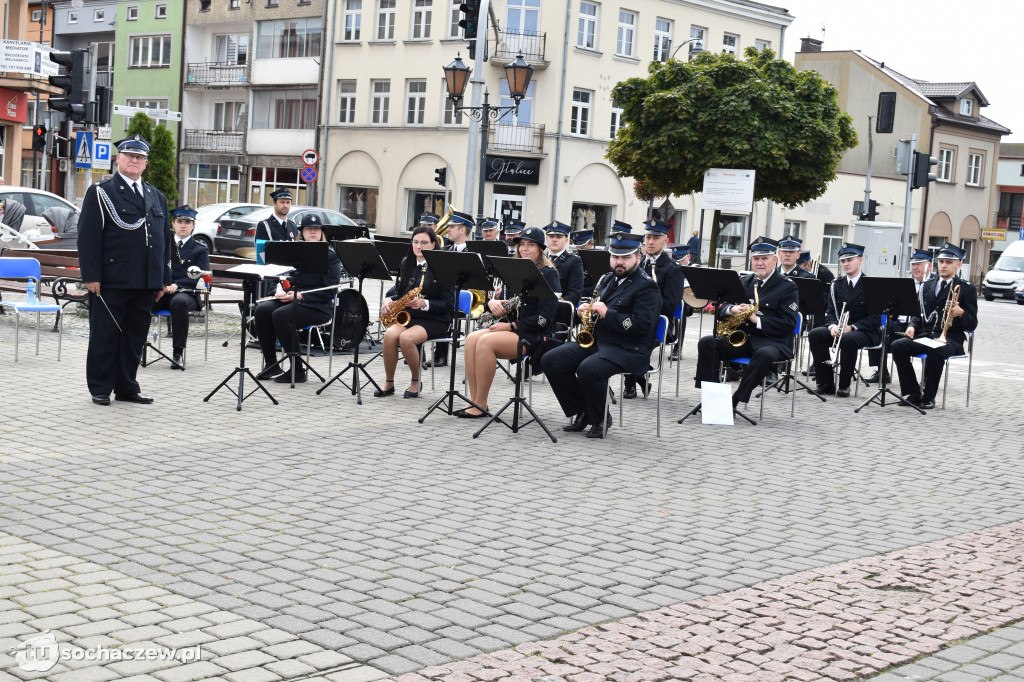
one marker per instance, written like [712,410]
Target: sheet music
[931,343]
[261,270]
[715,403]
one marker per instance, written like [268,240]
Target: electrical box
[881,242]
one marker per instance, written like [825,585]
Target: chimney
[810,45]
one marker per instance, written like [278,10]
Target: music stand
[812,302]
[596,262]
[251,275]
[522,277]
[340,233]
[488,248]
[393,251]
[459,270]
[720,286]
[309,258]
[890,296]
[362,260]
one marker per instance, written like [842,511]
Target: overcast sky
[933,40]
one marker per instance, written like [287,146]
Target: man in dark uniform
[489,229]
[619,227]
[429,219]
[861,329]
[789,253]
[769,331]
[180,297]
[627,317]
[823,274]
[513,228]
[963,318]
[569,265]
[582,240]
[667,274]
[921,271]
[278,227]
[124,251]
[459,226]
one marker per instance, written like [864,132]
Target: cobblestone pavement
[402,546]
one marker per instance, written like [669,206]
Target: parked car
[240,233]
[1006,274]
[1019,294]
[35,202]
[208,219]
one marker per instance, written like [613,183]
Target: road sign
[308,174]
[101,152]
[162,114]
[83,149]
[310,157]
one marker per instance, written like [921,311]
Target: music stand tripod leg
[355,365]
[242,370]
[451,393]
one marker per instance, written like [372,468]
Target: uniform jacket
[537,316]
[856,305]
[124,243]
[192,252]
[570,276]
[778,310]
[318,300]
[934,307]
[797,272]
[273,230]
[442,299]
[625,335]
[671,281]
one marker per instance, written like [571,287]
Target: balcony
[1007,221]
[516,138]
[214,140]
[530,44]
[216,73]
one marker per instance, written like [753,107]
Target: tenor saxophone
[402,316]
[729,327]
[585,336]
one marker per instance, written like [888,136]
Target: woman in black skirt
[430,313]
[532,319]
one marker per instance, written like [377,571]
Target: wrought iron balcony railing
[530,44]
[214,140]
[517,138]
[216,73]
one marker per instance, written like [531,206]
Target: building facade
[249,98]
[1010,206]
[387,124]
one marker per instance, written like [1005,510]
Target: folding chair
[204,310]
[968,355]
[857,375]
[465,305]
[788,369]
[28,269]
[660,334]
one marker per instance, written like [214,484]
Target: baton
[100,296]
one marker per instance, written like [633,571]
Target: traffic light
[441,176]
[102,117]
[71,82]
[872,211]
[922,164]
[39,138]
[471,16]
[886,112]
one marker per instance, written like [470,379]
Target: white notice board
[728,190]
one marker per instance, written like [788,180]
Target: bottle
[30,292]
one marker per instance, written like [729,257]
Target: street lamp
[456,76]
[697,48]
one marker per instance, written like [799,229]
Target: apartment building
[387,124]
[1010,206]
[249,97]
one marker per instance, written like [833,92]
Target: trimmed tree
[160,168]
[718,111]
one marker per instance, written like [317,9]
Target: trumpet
[833,351]
[729,327]
[952,299]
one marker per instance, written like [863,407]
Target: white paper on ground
[715,403]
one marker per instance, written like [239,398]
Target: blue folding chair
[660,333]
[967,355]
[28,269]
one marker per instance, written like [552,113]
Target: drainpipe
[561,109]
[321,127]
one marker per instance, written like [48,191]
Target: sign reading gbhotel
[513,169]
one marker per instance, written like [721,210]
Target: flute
[307,291]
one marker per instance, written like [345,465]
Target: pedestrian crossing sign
[83,149]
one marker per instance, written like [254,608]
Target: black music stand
[310,258]
[362,260]
[459,270]
[812,302]
[523,278]
[720,286]
[251,277]
[393,251]
[596,262]
[488,248]
[889,296]
[340,233]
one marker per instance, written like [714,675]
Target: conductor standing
[124,252]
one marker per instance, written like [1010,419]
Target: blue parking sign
[101,153]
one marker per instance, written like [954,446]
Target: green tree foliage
[160,169]
[718,111]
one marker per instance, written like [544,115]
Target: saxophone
[487,318]
[402,317]
[585,336]
[729,327]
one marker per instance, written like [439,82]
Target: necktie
[849,282]
[135,188]
[611,288]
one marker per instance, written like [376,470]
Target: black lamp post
[456,77]
[697,48]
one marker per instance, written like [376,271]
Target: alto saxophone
[402,316]
[585,336]
[729,327]
[487,318]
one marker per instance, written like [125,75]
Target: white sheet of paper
[715,403]
[262,270]
[931,343]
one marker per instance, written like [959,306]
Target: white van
[1006,274]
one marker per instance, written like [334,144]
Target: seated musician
[513,228]
[528,323]
[429,312]
[769,330]
[181,296]
[296,307]
[962,318]
[489,229]
[920,271]
[569,265]
[861,329]
[789,254]
[624,336]
[670,280]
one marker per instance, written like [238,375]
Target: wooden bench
[61,278]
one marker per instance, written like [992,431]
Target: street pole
[867,182]
[905,242]
[477,81]
[485,127]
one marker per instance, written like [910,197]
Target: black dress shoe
[470,415]
[383,392]
[137,398]
[914,400]
[442,362]
[927,404]
[286,378]
[269,373]
[178,359]
[411,394]
[843,392]
[629,392]
[101,399]
[827,390]
[597,430]
[579,423]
